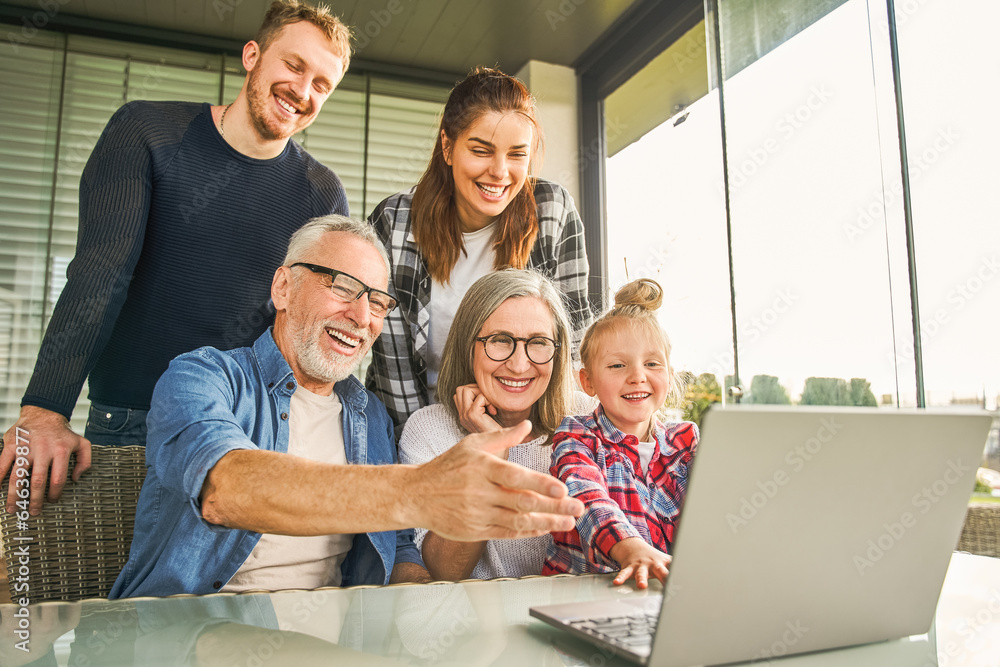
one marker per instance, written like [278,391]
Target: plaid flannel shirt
[601,467]
[398,372]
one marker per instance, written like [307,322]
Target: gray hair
[484,297]
[309,234]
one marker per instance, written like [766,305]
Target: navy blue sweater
[179,238]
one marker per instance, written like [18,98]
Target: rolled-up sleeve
[192,424]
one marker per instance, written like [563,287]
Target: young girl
[629,468]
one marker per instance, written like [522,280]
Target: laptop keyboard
[633,632]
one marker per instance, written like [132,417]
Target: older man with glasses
[267,463]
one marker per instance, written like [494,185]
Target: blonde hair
[636,304]
[484,297]
[286,12]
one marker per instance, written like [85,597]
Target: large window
[948,99]
[59,91]
[666,212]
[799,107]
[814,296]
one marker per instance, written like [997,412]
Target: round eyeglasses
[500,347]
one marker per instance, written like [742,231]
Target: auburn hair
[435,223]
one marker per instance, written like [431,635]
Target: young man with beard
[185,210]
[267,462]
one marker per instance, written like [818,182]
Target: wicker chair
[77,546]
[981,532]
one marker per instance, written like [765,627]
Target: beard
[329,366]
[259,102]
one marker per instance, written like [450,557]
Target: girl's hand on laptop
[639,559]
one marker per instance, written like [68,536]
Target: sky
[821,273]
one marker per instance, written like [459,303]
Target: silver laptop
[803,529]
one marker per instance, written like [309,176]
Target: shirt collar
[614,437]
[277,373]
[274,369]
[610,433]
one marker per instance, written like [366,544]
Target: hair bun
[644,293]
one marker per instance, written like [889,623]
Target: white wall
[555,91]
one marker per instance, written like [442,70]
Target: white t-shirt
[475,263]
[646,450]
[278,562]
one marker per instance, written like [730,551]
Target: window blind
[29,111]
[45,146]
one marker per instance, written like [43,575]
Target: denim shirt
[207,404]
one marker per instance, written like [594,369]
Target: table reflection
[472,623]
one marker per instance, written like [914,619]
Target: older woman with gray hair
[506,359]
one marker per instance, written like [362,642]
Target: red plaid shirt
[601,467]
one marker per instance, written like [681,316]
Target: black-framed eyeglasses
[500,347]
[348,288]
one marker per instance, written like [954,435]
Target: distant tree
[765,389]
[835,391]
[825,391]
[701,392]
[861,393]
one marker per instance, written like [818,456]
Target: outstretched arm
[466,494]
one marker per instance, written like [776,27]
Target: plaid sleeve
[678,443]
[391,375]
[603,523]
[564,254]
